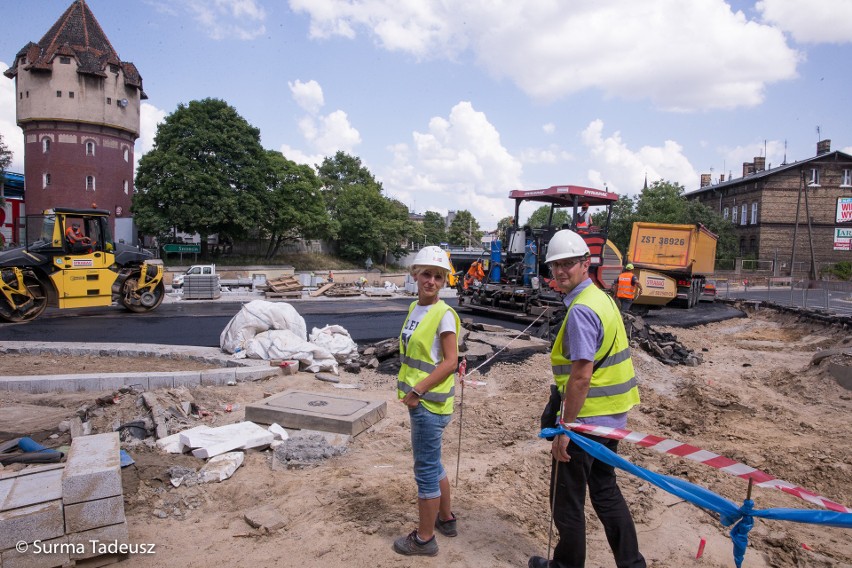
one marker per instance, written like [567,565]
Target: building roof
[833,156]
[76,34]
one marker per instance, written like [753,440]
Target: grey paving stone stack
[64,514]
[201,287]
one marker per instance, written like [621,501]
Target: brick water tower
[78,105]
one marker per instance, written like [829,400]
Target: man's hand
[559,448]
[411,400]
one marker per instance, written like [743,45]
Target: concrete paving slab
[94,514]
[315,411]
[36,522]
[92,469]
[171,444]
[48,554]
[26,490]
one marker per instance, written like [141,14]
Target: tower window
[58,94]
[90,148]
[126,187]
[45,180]
[70,94]
[109,100]
[90,183]
[45,145]
[22,95]
[126,155]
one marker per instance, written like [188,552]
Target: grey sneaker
[410,546]
[447,528]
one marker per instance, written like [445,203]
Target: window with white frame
[734,210]
[846,180]
[90,148]
[813,178]
[743,216]
[90,183]
[754,213]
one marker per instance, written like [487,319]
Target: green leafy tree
[621,222]
[540,216]
[503,226]
[434,228]
[370,224]
[293,204]
[206,174]
[5,162]
[464,230]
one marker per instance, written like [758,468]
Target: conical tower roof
[77,34]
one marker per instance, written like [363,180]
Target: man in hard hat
[594,373]
[426,385]
[627,288]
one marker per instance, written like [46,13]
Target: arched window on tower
[126,155]
[126,187]
[45,180]
[90,183]
[90,148]
[45,145]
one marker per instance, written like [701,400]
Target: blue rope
[742,518]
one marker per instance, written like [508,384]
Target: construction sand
[755,399]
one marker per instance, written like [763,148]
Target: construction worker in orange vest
[584,219]
[78,242]
[475,274]
[626,287]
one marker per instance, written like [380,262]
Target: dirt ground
[756,399]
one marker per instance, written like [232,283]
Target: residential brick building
[762,205]
[78,105]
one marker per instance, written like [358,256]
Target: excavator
[517,282]
[72,262]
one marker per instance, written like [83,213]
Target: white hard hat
[566,244]
[432,256]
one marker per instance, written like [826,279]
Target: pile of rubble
[662,345]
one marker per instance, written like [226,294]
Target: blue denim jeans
[426,431]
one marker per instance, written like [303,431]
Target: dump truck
[71,261]
[672,262]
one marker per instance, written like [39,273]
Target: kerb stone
[36,522]
[92,469]
[94,514]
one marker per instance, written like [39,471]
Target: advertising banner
[844,210]
[843,238]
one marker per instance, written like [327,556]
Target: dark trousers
[573,477]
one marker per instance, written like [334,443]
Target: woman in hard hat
[426,384]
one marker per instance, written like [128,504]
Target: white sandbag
[257,317]
[336,340]
[284,344]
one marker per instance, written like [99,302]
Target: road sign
[195,249]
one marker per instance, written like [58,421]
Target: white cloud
[307,95]
[680,55]
[324,134]
[826,21]
[149,118]
[549,128]
[229,19]
[626,168]
[459,163]
[13,137]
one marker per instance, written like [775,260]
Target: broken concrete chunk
[172,445]
[278,431]
[266,517]
[215,441]
[221,467]
[327,377]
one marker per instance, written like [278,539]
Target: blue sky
[451,105]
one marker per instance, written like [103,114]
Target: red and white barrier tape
[666,446]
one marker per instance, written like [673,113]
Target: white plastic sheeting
[336,340]
[275,330]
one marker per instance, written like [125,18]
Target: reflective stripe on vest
[430,396]
[613,387]
[417,360]
[625,289]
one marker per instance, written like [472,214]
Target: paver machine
[72,262]
[517,282]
